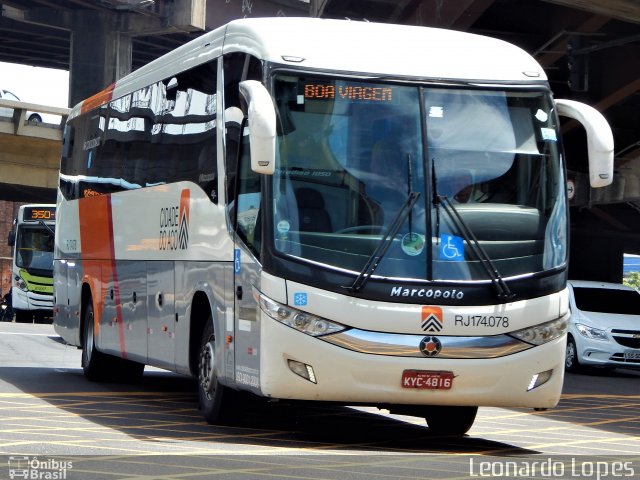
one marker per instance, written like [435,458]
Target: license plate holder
[632,355]
[427,379]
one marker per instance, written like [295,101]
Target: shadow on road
[163,408]
[607,400]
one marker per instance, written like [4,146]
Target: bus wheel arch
[94,364]
[216,401]
[201,313]
[86,297]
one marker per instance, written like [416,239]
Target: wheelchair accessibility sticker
[451,248]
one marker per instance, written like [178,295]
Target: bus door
[247,325]
[247,273]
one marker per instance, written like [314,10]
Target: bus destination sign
[348,92]
[34,214]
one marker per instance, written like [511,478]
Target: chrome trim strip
[399,345]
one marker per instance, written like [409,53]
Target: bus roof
[367,48]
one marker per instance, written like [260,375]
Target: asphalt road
[51,413]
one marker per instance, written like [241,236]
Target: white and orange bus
[325,210]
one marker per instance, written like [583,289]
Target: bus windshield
[350,153]
[34,249]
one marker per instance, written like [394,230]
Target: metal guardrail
[19,125]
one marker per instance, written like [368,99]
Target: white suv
[604,330]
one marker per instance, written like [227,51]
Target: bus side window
[248,203]
[242,184]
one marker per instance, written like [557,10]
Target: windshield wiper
[374,259]
[502,289]
[51,231]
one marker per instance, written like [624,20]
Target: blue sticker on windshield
[451,248]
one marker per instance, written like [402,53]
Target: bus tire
[214,399]
[450,421]
[94,363]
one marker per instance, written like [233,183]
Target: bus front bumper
[31,301]
[346,376]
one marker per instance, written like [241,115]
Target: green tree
[633,280]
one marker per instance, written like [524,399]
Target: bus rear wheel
[94,363]
[214,398]
[450,421]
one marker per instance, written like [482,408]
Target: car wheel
[571,362]
[451,421]
[34,118]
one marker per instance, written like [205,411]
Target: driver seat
[311,211]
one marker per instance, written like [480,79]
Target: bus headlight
[301,321]
[543,333]
[21,284]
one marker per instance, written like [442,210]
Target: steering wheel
[361,228]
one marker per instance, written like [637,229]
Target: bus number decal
[491,321]
[247,376]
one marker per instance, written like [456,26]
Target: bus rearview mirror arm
[599,140]
[262,126]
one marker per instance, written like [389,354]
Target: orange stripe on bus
[98,257]
[98,99]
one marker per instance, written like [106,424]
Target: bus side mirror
[11,241]
[599,140]
[262,126]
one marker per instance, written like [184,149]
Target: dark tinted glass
[623,302]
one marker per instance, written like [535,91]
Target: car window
[605,300]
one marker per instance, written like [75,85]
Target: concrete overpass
[29,153]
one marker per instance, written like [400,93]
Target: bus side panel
[161,309]
[215,281]
[65,322]
[67,272]
[120,306]
[247,321]
[132,333]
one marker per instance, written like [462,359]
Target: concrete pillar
[100,54]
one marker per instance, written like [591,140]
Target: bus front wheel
[452,421]
[214,398]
